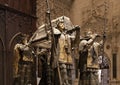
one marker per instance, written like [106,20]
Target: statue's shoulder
[18,45]
[83,42]
[56,31]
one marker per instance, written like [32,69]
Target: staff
[53,47]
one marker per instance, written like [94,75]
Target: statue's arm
[16,59]
[93,37]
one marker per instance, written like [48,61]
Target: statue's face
[89,33]
[61,26]
[24,40]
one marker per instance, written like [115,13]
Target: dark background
[15,16]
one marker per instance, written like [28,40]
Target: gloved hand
[77,27]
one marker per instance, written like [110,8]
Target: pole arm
[53,50]
[53,47]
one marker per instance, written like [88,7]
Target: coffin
[41,37]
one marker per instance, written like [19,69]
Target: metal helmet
[60,20]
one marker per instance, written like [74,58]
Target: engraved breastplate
[27,54]
[64,53]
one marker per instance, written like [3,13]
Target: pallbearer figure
[24,65]
[88,61]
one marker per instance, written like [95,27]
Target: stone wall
[57,8]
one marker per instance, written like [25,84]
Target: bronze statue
[24,63]
[88,61]
[65,58]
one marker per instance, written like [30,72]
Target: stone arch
[2,49]
[13,40]
[2,43]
